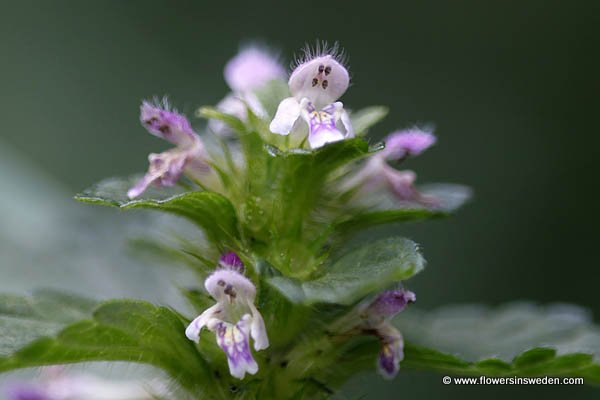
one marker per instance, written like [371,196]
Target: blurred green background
[511,87]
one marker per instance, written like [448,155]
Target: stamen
[327,70]
[325,84]
[321,68]
[315,81]
[151,121]
[230,291]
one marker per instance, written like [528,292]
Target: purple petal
[234,341]
[26,392]
[166,124]
[193,329]
[377,175]
[392,351]
[166,169]
[323,135]
[322,124]
[401,183]
[391,302]
[405,143]
[389,360]
[231,260]
[402,186]
[230,285]
[251,68]
[141,186]
[171,167]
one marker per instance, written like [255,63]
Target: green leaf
[281,315]
[334,155]
[113,192]
[47,305]
[233,122]
[518,339]
[450,197]
[122,330]
[372,218]
[284,188]
[177,254]
[363,119]
[211,211]
[365,270]
[251,142]
[23,319]
[301,175]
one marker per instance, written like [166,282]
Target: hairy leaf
[301,175]
[365,270]
[387,210]
[211,211]
[518,339]
[212,113]
[122,330]
[113,192]
[25,318]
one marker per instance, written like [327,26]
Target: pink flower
[317,82]
[167,167]
[251,68]
[377,316]
[234,318]
[407,143]
[378,175]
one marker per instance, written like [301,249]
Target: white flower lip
[286,116]
[223,283]
[322,80]
[329,124]
[234,319]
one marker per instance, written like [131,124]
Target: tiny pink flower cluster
[316,83]
[377,173]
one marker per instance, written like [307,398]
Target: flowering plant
[290,301]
